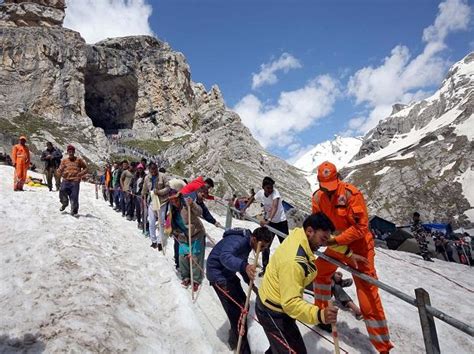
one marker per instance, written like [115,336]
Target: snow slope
[93,284]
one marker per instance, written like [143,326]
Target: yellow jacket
[290,270]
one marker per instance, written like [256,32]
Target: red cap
[327,176]
[70,147]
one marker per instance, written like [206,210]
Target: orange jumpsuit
[21,160]
[347,210]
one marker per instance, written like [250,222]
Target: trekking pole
[335,337]
[247,301]
[190,252]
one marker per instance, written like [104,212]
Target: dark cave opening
[110,100]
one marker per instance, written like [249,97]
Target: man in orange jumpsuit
[21,162]
[345,206]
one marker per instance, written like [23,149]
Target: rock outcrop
[421,157]
[55,87]
[27,13]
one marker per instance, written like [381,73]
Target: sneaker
[160,247]
[74,213]
[140,225]
[63,207]
[154,245]
[185,283]
[196,287]
[325,327]
[129,218]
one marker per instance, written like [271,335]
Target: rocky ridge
[53,86]
[421,157]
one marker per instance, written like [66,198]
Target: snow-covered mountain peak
[422,155]
[339,151]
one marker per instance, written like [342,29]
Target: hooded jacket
[229,256]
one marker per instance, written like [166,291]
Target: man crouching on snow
[228,257]
[291,268]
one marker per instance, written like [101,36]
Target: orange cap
[22,137]
[327,176]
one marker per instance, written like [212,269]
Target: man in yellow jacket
[280,301]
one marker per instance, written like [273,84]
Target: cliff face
[421,157]
[55,87]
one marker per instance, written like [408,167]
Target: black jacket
[56,158]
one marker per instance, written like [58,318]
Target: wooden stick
[335,336]
[247,300]
[190,251]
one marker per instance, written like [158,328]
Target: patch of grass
[155,146]
[152,146]
[195,121]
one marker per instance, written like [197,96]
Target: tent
[382,225]
[287,206]
[444,228]
[396,238]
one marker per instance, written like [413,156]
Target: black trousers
[137,201]
[69,192]
[234,290]
[281,326]
[280,226]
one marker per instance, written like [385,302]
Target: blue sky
[342,63]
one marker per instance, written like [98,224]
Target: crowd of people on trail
[169,207]
[166,207]
[443,246]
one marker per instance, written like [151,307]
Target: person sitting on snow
[338,283]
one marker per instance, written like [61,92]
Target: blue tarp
[444,228]
[286,206]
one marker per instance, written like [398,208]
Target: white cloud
[277,125]
[267,74]
[402,78]
[96,20]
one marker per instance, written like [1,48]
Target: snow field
[93,284]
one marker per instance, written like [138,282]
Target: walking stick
[190,252]
[247,301]
[335,337]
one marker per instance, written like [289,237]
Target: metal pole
[464,327]
[428,326]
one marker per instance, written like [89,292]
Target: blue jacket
[229,256]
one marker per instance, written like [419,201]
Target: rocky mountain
[135,92]
[339,151]
[421,157]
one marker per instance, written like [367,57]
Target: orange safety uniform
[108,178]
[347,210]
[21,161]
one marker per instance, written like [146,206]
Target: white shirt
[267,205]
